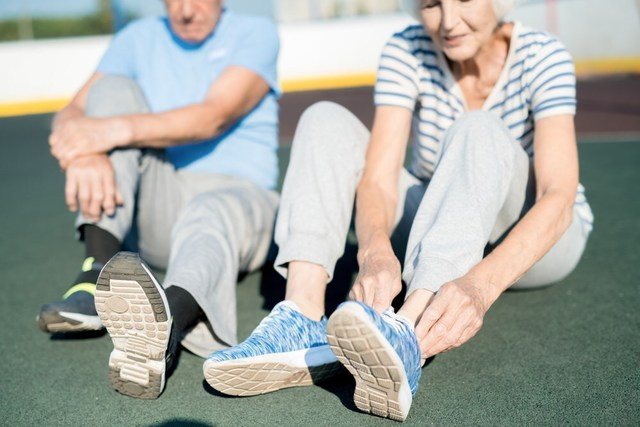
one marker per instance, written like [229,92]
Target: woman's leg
[327,160]
[561,259]
[477,192]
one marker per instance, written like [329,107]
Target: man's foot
[287,349]
[134,309]
[76,311]
[382,354]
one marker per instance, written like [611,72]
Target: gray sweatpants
[483,184]
[204,229]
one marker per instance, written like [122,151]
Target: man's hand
[378,281]
[454,316]
[91,182]
[84,136]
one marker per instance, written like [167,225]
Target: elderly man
[176,132]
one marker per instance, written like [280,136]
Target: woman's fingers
[356,292]
[431,315]
[439,336]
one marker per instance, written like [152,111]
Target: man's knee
[113,95]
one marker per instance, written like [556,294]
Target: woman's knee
[327,124]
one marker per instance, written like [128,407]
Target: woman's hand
[91,182]
[379,280]
[453,317]
[83,136]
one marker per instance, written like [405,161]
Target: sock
[99,244]
[184,309]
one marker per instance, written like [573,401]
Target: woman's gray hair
[501,7]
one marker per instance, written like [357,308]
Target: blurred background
[49,48]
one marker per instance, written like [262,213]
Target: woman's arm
[379,279]
[456,312]
[236,92]
[556,171]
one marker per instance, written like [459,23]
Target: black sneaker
[134,309]
[76,311]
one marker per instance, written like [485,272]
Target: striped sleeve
[552,82]
[397,78]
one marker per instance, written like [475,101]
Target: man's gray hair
[501,7]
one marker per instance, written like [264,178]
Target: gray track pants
[482,186]
[202,228]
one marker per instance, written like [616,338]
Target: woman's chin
[459,53]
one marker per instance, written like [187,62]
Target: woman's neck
[491,57]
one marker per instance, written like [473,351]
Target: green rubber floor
[566,354]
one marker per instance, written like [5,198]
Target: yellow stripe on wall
[583,68]
[32,107]
[607,66]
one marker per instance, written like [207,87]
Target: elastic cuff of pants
[308,248]
[81,222]
[430,274]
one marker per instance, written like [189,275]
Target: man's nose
[187,9]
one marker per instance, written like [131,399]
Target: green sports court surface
[566,354]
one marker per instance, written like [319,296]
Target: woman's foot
[382,354]
[287,349]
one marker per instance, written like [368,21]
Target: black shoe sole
[133,308]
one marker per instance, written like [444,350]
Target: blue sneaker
[382,354]
[287,349]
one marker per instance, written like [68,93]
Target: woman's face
[459,27]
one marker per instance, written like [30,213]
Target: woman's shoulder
[531,42]
[414,39]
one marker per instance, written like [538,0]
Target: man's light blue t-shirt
[174,74]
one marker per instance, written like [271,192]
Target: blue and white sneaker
[287,349]
[382,354]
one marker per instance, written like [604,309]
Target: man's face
[193,20]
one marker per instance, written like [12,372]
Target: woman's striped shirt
[537,81]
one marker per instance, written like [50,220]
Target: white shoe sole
[134,309]
[382,387]
[251,376]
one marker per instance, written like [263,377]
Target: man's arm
[235,93]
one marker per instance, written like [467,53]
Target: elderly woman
[476,213]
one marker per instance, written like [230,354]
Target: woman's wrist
[377,243]
[488,283]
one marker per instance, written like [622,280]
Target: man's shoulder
[249,23]
[144,26]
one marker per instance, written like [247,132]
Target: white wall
[54,69]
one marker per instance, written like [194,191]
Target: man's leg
[219,234]
[109,96]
